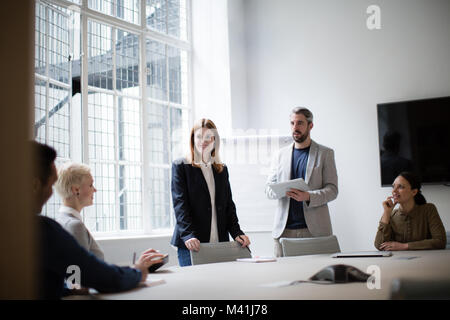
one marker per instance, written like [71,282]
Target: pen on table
[134,257]
[247,246]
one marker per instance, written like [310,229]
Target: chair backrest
[306,246]
[219,252]
[448,240]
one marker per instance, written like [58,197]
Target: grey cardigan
[70,220]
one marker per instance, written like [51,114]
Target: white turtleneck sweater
[207,171]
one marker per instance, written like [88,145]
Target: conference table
[261,281]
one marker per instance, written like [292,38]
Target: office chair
[306,246]
[448,240]
[414,289]
[219,252]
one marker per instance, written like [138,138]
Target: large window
[167,120]
[112,91]
[52,84]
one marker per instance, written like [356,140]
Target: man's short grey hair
[304,111]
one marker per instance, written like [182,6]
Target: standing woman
[415,225]
[201,195]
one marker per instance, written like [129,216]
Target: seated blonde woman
[75,185]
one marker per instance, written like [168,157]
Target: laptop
[362,254]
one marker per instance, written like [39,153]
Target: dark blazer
[192,205]
[59,250]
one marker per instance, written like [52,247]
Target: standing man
[303,214]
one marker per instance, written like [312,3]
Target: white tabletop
[244,281]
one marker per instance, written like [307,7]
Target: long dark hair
[415,184]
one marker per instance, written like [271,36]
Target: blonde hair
[193,153]
[69,174]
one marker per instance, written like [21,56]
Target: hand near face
[389,204]
[393,246]
[298,195]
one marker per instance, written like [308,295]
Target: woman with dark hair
[415,225]
[201,195]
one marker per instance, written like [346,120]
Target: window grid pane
[101,126]
[127,10]
[156,70]
[177,21]
[40,103]
[130,199]
[159,195]
[129,130]
[127,63]
[40,39]
[179,124]
[177,75]
[58,46]
[100,55]
[103,6]
[167,17]
[101,216]
[156,15]
[157,133]
[58,122]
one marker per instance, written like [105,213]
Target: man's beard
[300,138]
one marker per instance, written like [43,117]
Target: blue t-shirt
[296,217]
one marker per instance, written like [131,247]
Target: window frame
[144,33]
[50,81]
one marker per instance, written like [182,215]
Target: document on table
[281,188]
[257,259]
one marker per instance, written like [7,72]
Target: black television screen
[415,136]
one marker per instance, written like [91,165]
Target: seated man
[59,250]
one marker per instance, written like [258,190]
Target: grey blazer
[321,177]
[70,220]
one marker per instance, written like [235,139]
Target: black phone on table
[156,266]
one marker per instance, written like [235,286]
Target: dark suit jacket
[59,250]
[192,205]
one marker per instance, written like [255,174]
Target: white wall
[211,63]
[320,54]
[238,70]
